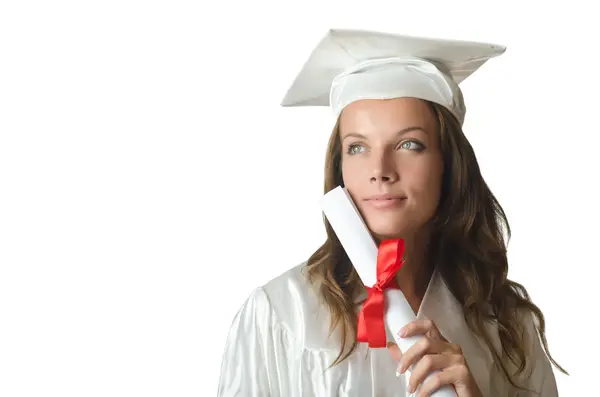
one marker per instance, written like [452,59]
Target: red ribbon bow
[371,327]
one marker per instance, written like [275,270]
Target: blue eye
[354,148]
[412,145]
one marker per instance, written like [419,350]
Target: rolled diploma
[353,233]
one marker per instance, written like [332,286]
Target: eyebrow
[399,133]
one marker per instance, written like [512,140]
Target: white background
[149,179]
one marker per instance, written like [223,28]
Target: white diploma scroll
[351,230]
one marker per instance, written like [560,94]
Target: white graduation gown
[278,346]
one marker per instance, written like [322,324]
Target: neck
[416,272]
[414,276]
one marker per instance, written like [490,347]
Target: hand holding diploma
[433,353]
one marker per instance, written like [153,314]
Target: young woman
[399,149]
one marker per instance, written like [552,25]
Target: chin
[385,230]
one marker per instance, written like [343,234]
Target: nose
[384,169]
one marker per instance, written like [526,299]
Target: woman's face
[391,163]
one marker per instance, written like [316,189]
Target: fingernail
[397,374]
[402,331]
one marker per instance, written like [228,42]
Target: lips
[381,197]
[385,201]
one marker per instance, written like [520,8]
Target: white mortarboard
[348,65]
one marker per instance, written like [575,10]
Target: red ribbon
[371,327]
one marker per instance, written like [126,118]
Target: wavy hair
[468,234]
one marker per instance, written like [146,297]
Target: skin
[392,147]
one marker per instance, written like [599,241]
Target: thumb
[394,351]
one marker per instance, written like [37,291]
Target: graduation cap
[349,65]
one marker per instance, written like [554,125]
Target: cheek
[424,182]
[353,175]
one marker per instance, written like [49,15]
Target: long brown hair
[468,234]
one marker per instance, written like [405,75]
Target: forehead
[388,114]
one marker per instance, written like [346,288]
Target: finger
[420,327]
[394,351]
[434,330]
[424,346]
[427,364]
[450,376]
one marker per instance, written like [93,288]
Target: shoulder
[293,304]
[292,297]
[537,376]
[293,279]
